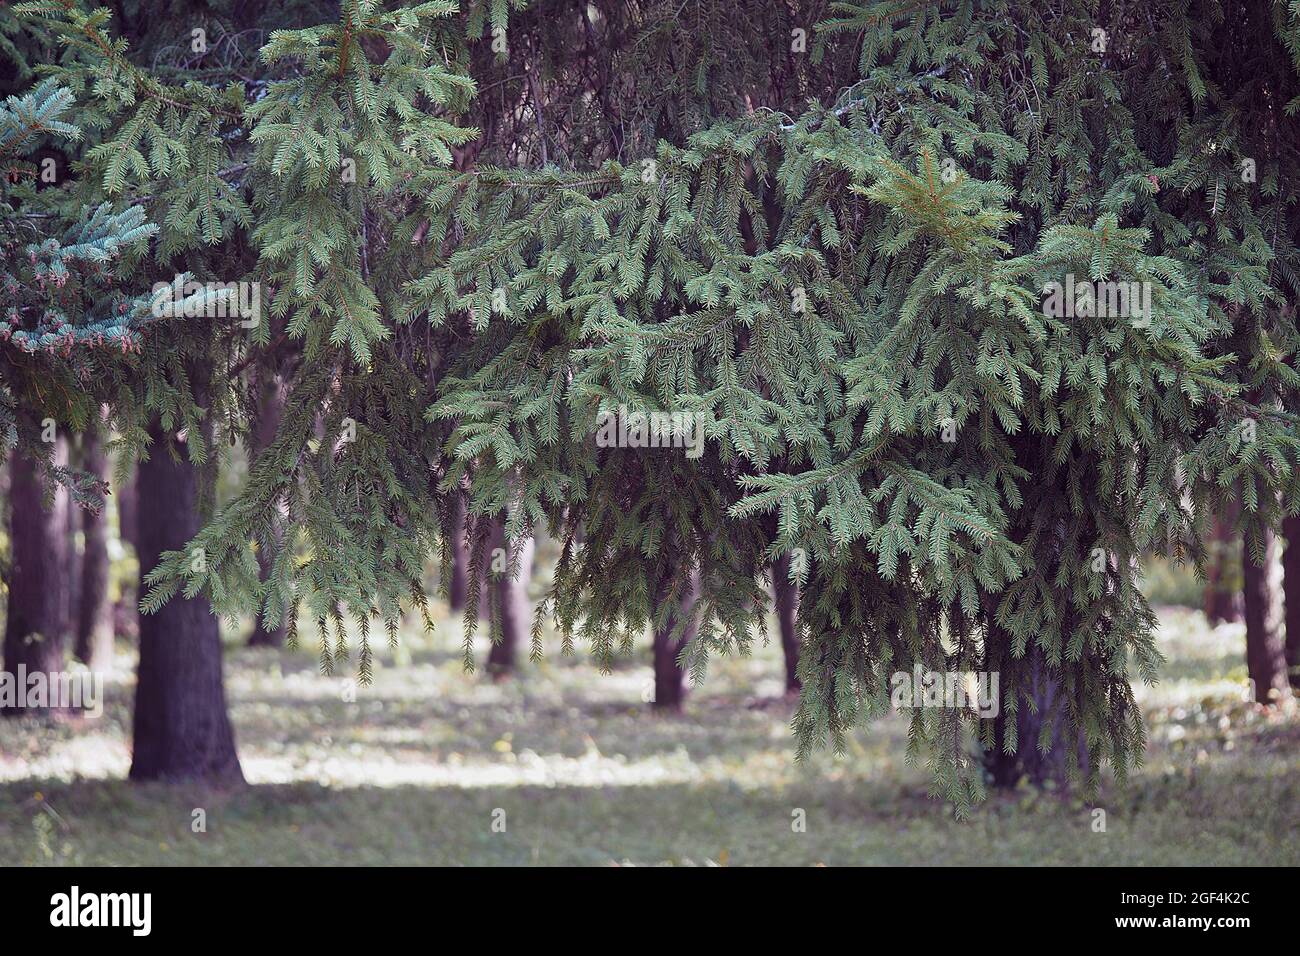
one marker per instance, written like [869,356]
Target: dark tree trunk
[510,594]
[1291,585]
[459,583]
[94,611]
[1223,601]
[38,616]
[126,610]
[1265,649]
[1028,762]
[72,564]
[182,728]
[492,531]
[1040,709]
[670,678]
[270,406]
[128,512]
[786,598]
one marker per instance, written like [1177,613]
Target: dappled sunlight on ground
[412,768]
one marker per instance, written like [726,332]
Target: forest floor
[580,771]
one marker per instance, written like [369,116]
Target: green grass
[413,771]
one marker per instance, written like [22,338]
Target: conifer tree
[86,323]
[94,622]
[1291,597]
[1223,593]
[36,615]
[65,321]
[785,600]
[268,397]
[974,304]
[1265,643]
[898,295]
[509,575]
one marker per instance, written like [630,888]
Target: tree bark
[1265,648]
[670,678]
[71,570]
[1223,600]
[38,615]
[94,612]
[128,512]
[786,598]
[182,728]
[510,593]
[270,406]
[126,611]
[459,583]
[1291,586]
[1028,762]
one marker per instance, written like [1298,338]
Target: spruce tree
[874,251]
[94,612]
[66,323]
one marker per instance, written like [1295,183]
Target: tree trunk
[126,610]
[1265,649]
[128,512]
[1223,602]
[38,614]
[511,596]
[270,406]
[786,598]
[459,583]
[182,729]
[1291,585]
[670,678]
[94,612]
[1028,762]
[72,565]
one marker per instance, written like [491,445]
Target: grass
[417,769]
